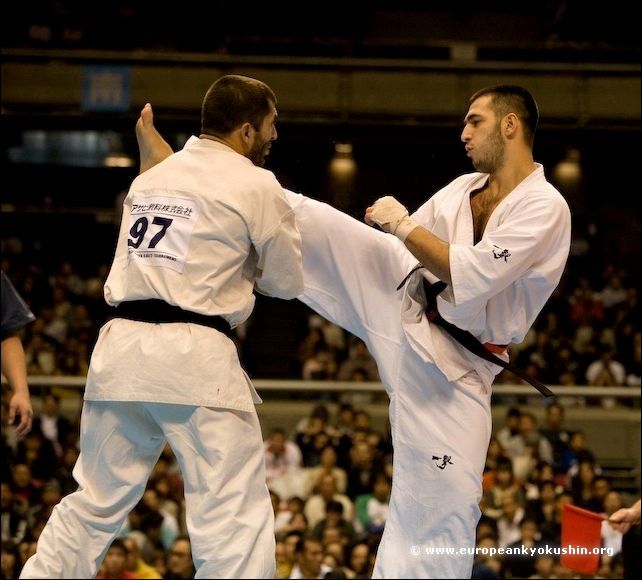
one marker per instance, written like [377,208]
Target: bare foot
[151,145]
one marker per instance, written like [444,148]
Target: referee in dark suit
[15,316]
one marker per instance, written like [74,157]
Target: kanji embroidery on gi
[445,460]
[501,253]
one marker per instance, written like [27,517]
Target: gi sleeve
[278,245]
[15,313]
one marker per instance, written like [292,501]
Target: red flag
[581,532]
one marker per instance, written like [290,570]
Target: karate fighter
[499,238]
[198,232]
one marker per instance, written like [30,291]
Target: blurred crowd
[330,477]
[330,483]
[588,333]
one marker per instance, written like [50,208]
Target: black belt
[465,338]
[159,311]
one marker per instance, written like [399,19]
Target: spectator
[363,470]
[508,528]
[49,498]
[288,520]
[25,489]
[135,563]
[577,449]
[321,366]
[11,563]
[601,487]
[314,437]
[328,464]
[179,562]
[505,486]
[114,563]
[485,565]
[312,343]
[334,519]
[169,526]
[372,509]
[606,372]
[494,456]
[486,528]
[359,359]
[37,452]
[544,566]
[533,448]
[14,522]
[283,561]
[508,436]
[309,560]
[63,473]
[552,528]
[281,456]
[613,293]
[361,560]
[54,427]
[581,486]
[518,565]
[554,432]
[542,509]
[337,551]
[315,507]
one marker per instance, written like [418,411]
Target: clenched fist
[391,217]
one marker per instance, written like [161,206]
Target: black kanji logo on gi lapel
[445,460]
[500,253]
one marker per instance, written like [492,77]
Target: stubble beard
[493,156]
[258,153]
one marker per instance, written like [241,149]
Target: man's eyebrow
[472,117]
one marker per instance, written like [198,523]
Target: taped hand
[391,217]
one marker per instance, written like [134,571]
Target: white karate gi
[439,392]
[198,231]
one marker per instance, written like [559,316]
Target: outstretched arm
[151,145]
[624,518]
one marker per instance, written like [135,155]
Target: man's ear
[247,132]
[511,124]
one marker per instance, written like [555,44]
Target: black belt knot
[465,338]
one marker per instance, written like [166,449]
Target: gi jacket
[499,285]
[200,230]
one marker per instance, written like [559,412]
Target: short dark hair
[303,540]
[233,100]
[119,545]
[334,506]
[513,99]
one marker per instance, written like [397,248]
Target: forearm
[431,251]
[13,364]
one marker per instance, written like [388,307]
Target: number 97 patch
[160,229]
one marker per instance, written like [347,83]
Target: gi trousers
[440,428]
[220,453]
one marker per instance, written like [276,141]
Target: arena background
[371,101]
